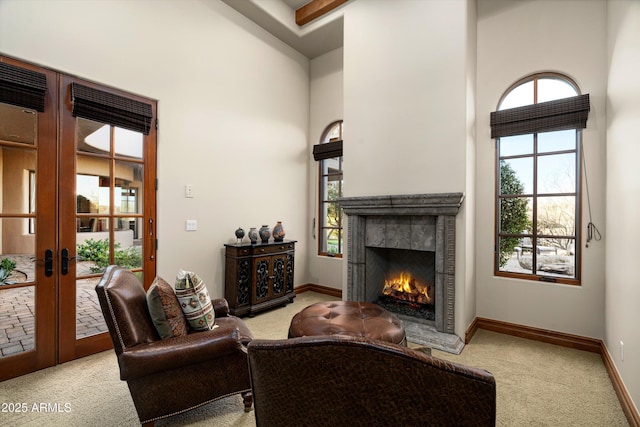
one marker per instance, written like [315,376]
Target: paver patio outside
[17,313]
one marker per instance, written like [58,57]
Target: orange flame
[405,287]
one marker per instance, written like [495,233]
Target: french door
[77,193]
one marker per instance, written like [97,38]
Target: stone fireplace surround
[423,222]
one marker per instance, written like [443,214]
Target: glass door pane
[17,289]
[109,193]
[18,130]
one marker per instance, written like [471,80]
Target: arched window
[329,156]
[537,129]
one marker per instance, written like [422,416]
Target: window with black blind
[328,154]
[537,129]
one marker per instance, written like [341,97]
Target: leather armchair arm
[178,352]
[221,307]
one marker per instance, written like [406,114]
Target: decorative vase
[265,233]
[253,235]
[278,232]
[239,234]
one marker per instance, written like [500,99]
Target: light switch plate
[188,191]
[191,225]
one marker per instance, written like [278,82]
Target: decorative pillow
[194,300]
[165,310]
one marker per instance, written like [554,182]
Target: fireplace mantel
[414,222]
[409,204]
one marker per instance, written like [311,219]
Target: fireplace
[406,238]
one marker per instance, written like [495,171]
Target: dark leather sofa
[345,381]
[171,376]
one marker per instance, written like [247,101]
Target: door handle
[64,263]
[48,262]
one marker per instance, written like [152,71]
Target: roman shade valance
[106,107]
[327,150]
[21,87]
[560,114]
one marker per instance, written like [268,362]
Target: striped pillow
[194,300]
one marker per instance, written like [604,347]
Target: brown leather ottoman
[356,319]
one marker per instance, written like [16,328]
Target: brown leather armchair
[348,381]
[171,376]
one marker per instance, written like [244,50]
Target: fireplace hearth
[409,239]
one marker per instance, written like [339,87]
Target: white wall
[469,271]
[407,109]
[404,97]
[326,107]
[516,39]
[233,110]
[623,190]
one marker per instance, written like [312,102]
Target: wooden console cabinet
[258,277]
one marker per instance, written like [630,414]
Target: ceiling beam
[315,9]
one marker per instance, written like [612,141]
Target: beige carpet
[538,385]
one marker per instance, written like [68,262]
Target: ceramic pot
[278,232]
[239,234]
[265,233]
[253,235]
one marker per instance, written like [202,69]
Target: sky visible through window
[556,174]
[549,89]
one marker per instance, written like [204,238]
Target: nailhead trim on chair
[193,407]
[111,312]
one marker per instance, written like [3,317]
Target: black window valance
[327,150]
[110,108]
[560,114]
[21,87]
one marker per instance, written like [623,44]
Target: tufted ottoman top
[358,319]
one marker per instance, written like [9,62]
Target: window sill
[538,278]
[327,255]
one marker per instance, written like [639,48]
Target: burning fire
[405,287]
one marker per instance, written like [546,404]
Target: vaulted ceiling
[320,29]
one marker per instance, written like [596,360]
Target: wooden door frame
[70,347]
[44,353]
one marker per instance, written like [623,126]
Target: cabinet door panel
[244,276]
[279,269]
[289,275]
[261,271]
